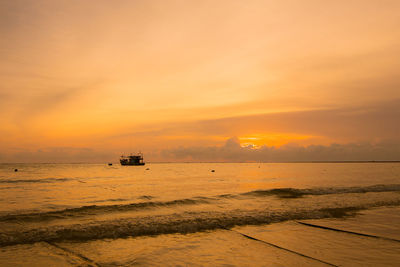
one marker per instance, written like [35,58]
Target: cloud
[233,152]
[367,123]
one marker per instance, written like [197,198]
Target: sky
[86,81]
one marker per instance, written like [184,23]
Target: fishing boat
[132,160]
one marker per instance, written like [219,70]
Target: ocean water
[200,214]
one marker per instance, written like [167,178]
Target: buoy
[147,169]
[109,164]
[212,170]
[16,170]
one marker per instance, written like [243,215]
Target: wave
[94,209]
[46,180]
[146,197]
[109,200]
[188,222]
[126,207]
[296,193]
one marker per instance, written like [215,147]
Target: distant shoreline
[199,162]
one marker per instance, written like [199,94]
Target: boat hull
[132,164]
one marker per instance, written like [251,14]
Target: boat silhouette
[132,160]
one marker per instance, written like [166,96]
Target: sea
[200,214]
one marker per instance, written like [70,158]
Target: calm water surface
[121,215]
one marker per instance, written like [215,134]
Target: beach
[200,214]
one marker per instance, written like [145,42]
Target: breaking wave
[126,207]
[187,222]
[94,209]
[295,193]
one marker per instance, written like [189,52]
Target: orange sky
[93,79]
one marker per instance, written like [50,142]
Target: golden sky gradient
[93,79]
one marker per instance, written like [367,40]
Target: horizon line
[255,162]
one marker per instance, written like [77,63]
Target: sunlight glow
[271,139]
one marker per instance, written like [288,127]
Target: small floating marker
[15,170]
[147,169]
[212,170]
[109,164]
